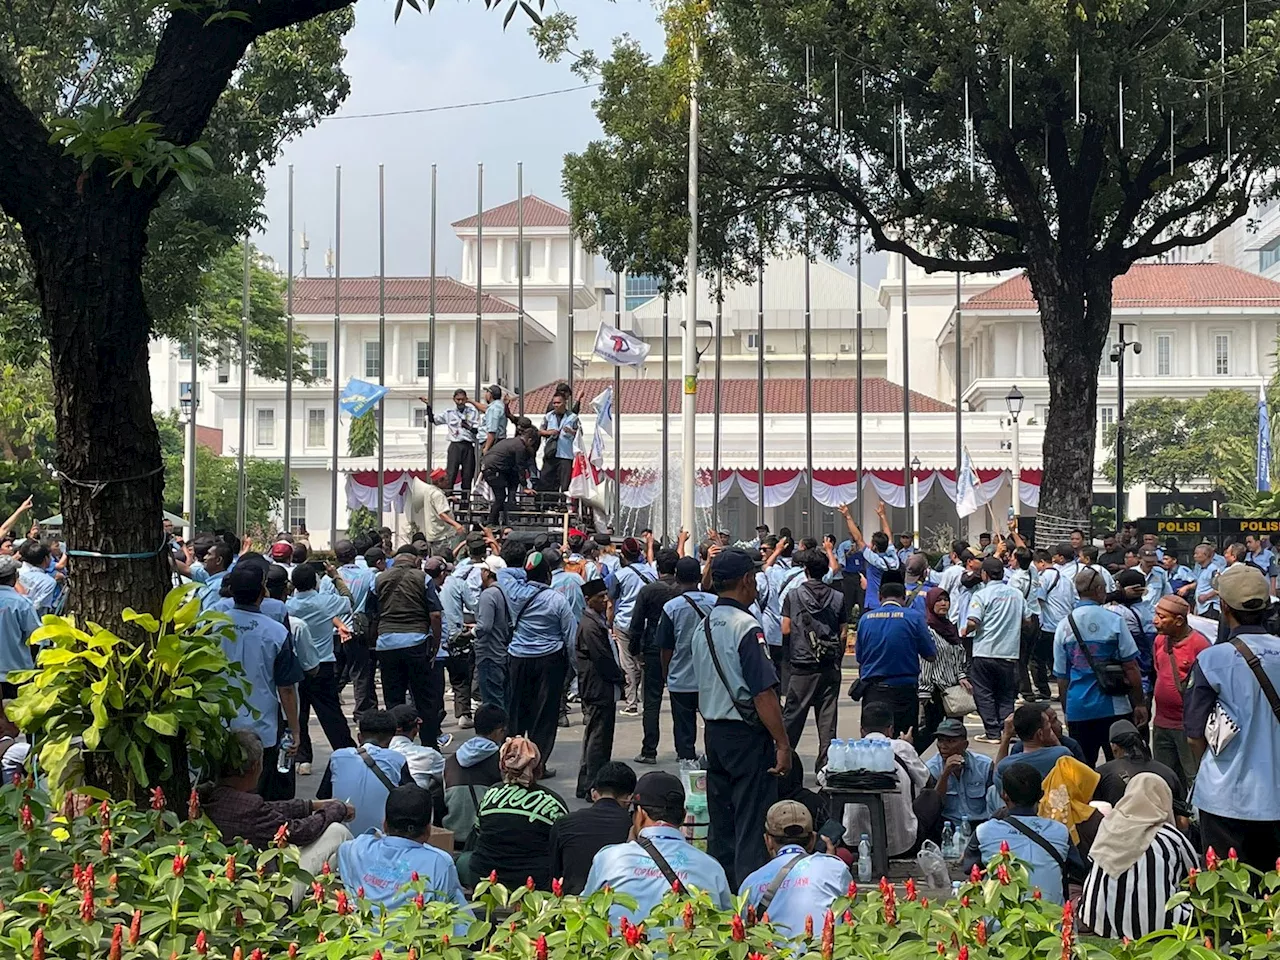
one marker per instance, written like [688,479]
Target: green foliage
[362,441]
[26,439]
[133,697]
[136,150]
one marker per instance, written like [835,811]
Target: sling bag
[747,711]
[776,884]
[651,848]
[377,770]
[1178,683]
[1109,673]
[1042,843]
[1268,689]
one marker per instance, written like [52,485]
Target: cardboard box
[442,839]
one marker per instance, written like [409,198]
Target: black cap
[731,564]
[406,716]
[408,810]
[593,587]
[660,791]
[993,568]
[688,570]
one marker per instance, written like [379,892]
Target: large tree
[1071,187]
[86,165]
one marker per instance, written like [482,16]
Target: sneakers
[465,723]
[630,711]
[444,740]
[647,761]
[303,769]
[985,738]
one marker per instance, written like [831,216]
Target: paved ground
[568,750]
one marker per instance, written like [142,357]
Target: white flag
[620,348]
[604,424]
[966,487]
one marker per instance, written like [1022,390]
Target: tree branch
[29,166]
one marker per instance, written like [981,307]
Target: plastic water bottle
[864,859]
[837,761]
[860,754]
[949,840]
[881,748]
[284,759]
[966,831]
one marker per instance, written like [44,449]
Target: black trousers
[901,699]
[931,714]
[599,720]
[414,671]
[533,698]
[274,785]
[1035,665]
[1094,736]
[740,791]
[995,691]
[461,669]
[491,679]
[320,691]
[1256,842]
[654,683]
[362,668]
[684,724]
[782,664]
[504,486]
[462,460]
[817,690]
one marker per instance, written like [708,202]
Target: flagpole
[666,415]
[382,333]
[689,337]
[906,394]
[479,285]
[431,331]
[760,388]
[858,368]
[617,410]
[520,284]
[241,487]
[337,350]
[715,411]
[288,372]
[959,381]
[808,383]
[569,338]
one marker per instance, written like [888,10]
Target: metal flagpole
[431,331]
[241,488]
[857,345]
[382,333]
[617,410]
[959,391]
[337,350]
[288,370]
[808,385]
[689,341]
[715,412]
[906,394]
[760,389]
[520,267]
[479,282]
[666,415]
[569,338]
[189,497]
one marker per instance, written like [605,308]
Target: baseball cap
[688,570]
[1147,553]
[437,475]
[405,716]
[1120,728]
[408,808]
[493,564]
[245,579]
[1243,587]
[660,792]
[282,551]
[788,819]
[951,727]
[9,565]
[436,564]
[732,564]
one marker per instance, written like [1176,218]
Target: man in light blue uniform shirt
[42,589]
[384,862]
[565,424]
[1202,593]
[1090,711]
[878,556]
[624,587]
[351,779]
[995,618]
[812,882]
[320,690]
[18,621]
[353,654]
[679,630]
[1057,589]
[961,776]
[1157,586]
[217,561]
[495,417]
[632,869]
[1260,553]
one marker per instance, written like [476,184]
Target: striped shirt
[946,670]
[1133,904]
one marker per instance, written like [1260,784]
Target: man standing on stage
[463,422]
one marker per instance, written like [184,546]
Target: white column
[452,372]
[499,243]
[1253,352]
[393,375]
[1193,355]
[1018,363]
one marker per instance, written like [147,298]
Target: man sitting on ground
[963,777]
[1040,747]
[578,836]
[797,883]
[472,770]
[384,863]
[367,773]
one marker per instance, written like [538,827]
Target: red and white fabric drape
[779,485]
[889,487]
[362,488]
[1029,487]
[833,488]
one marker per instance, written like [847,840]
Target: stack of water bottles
[955,838]
[869,764]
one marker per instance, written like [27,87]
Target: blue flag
[359,397]
[1264,443]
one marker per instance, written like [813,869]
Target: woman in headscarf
[1068,788]
[513,827]
[949,669]
[1139,860]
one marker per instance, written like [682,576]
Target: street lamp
[189,401]
[1013,400]
[1117,357]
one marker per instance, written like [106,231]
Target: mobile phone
[833,830]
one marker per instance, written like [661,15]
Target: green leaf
[162,723]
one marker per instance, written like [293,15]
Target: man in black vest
[409,631]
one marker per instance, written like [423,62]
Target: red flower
[808,927]
[193,805]
[255,954]
[676,888]
[911,889]
[113,881]
[238,917]
[413,877]
[28,821]
[751,915]
[1004,848]
[1035,894]
[1192,873]
[377,955]
[738,932]
[320,937]
[117,942]
[359,893]
[325,869]
[1208,943]
[942,949]
[43,909]
[1002,874]
[493,876]
[104,812]
[293,950]
[885,886]
[19,861]
[964,901]
[1068,926]
[413,953]
[37,944]
[963,954]
[343,906]
[828,935]
[180,864]
[157,799]
[980,933]
[420,902]
[557,887]
[688,915]
[105,843]
[317,891]
[540,947]
[1231,854]
[764,918]
[975,875]
[853,890]
[925,903]
[848,918]
[231,867]
[633,935]
[135,927]
[87,910]
[237,954]
[529,884]
[282,836]
[890,907]
[1211,859]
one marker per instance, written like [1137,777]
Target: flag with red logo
[620,348]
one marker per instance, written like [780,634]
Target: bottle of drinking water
[966,831]
[949,840]
[284,761]
[859,759]
[864,859]
[837,761]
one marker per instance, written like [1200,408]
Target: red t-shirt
[1168,700]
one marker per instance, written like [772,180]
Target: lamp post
[189,401]
[915,502]
[1013,400]
[1117,357]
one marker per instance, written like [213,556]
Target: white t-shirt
[434,503]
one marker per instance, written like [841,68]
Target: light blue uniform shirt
[385,865]
[967,789]
[810,888]
[271,607]
[1205,576]
[41,588]
[495,420]
[359,581]
[876,565]
[680,631]
[1240,782]
[627,869]
[1057,597]
[1027,583]
[353,782]
[564,442]
[627,583]
[453,418]
[1043,869]
[261,646]
[318,610]
[1157,586]
[543,622]
[304,645]
[999,610]
[1108,639]
[784,579]
[453,597]
[211,591]
[569,585]
[18,621]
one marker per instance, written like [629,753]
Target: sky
[456,54]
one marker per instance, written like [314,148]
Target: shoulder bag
[1221,728]
[1042,843]
[775,884]
[1109,673]
[651,848]
[377,770]
[746,710]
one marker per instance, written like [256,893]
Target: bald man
[1175,650]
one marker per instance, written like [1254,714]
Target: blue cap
[731,564]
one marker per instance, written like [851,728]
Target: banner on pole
[619,347]
[603,405]
[1264,443]
[967,486]
[359,397]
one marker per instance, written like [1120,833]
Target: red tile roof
[1155,285]
[314,295]
[781,395]
[537,213]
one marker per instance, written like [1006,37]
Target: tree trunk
[88,261]
[1075,311]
